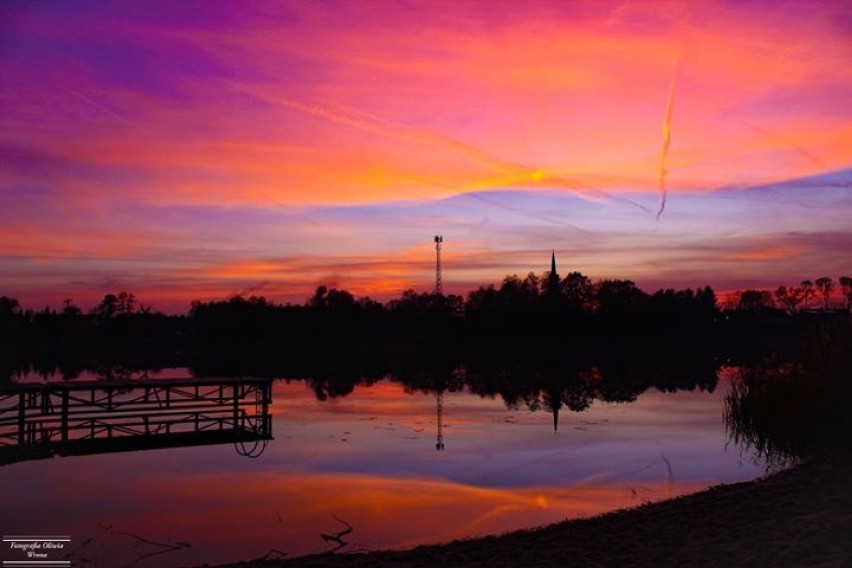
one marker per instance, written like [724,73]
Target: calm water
[370,459]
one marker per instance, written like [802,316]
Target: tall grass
[783,413]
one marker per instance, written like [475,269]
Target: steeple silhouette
[553,277]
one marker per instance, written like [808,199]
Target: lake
[369,460]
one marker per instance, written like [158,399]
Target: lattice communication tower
[439,284]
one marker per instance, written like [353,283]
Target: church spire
[553,277]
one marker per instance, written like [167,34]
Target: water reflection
[360,447]
[784,411]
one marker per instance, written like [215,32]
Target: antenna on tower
[439,284]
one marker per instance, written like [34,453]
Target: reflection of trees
[551,381]
[540,381]
[431,380]
[338,384]
[122,373]
[787,411]
[538,385]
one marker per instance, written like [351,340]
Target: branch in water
[165,547]
[338,536]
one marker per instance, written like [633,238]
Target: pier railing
[76,418]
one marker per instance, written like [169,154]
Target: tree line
[797,297]
[519,315]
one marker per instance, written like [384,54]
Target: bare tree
[126,303]
[790,297]
[809,291]
[825,285]
[70,310]
[846,286]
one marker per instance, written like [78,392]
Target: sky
[196,150]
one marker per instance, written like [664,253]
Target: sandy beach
[798,517]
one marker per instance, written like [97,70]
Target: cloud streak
[667,138]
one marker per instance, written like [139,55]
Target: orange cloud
[772,253]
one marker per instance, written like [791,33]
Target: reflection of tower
[439,399]
[439,285]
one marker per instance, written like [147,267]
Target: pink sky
[196,150]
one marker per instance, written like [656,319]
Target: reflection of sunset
[192,156]
[369,458]
[234,516]
[292,510]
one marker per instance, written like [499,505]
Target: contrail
[788,142]
[477,195]
[290,210]
[508,173]
[374,125]
[520,211]
[667,138]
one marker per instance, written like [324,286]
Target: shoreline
[801,516]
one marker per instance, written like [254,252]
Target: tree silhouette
[755,300]
[619,297]
[579,293]
[825,285]
[126,303]
[70,310]
[520,293]
[108,306]
[521,316]
[791,298]
[706,299]
[808,291]
[9,306]
[846,287]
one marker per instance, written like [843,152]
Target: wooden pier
[43,420]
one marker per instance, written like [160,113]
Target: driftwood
[338,536]
[159,547]
[273,554]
